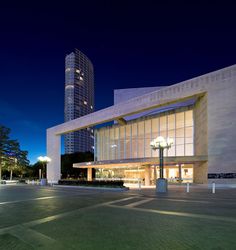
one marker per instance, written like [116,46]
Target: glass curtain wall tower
[79,99]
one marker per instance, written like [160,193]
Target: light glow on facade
[133,140]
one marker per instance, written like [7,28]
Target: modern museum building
[198,114]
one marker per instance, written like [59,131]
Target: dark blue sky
[130,44]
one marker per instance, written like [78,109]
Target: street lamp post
[161,144]
[44,160]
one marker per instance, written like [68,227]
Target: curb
[94,188]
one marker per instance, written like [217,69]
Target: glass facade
[132,174]
[133,139]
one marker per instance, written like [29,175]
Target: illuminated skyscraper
[79,99]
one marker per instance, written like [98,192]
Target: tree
[35,169]
[67,161]
[17,157]
[11,156]
[4,143]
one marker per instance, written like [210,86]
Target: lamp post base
[161,185]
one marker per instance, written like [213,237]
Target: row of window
[133,140]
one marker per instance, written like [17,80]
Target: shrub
[22,181]
[107,183]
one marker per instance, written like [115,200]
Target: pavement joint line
[181,214]
[177,200]
[35,199]
[124,199]
[133,204]
[211,200]
[31,237]
[58,216]
[193,201]
[40,198]
[59,190]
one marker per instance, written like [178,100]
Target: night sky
[129,44]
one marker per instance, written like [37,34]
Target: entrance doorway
[179,173]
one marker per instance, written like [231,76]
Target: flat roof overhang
[133,106]
[141,161]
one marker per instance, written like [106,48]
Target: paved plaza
[34,217]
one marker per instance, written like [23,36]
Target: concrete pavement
[34,217]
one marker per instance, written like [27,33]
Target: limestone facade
[214,118]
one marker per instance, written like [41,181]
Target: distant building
[79,100]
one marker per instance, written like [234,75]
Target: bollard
[213,187]
[187,187]
[139,183]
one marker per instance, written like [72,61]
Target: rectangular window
[180,120]
[128,141]
[188,149]
[117,143]
[155,128]
[179,150]
[188,134]
[122,142]
[171,122]
[141,139]
[171,151]
[163,123]
[148,138]
[112,144]
[106,144]
[95,146]
[163,129]
[179,136]
[134,141]
[155,133]
[188,118]
[101,133]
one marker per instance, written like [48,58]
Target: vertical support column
[147,175]
[167,173]
[40,174]
[161,162]
[155,173]
[89,174]
[180,173]
[95,145]
[54,153]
